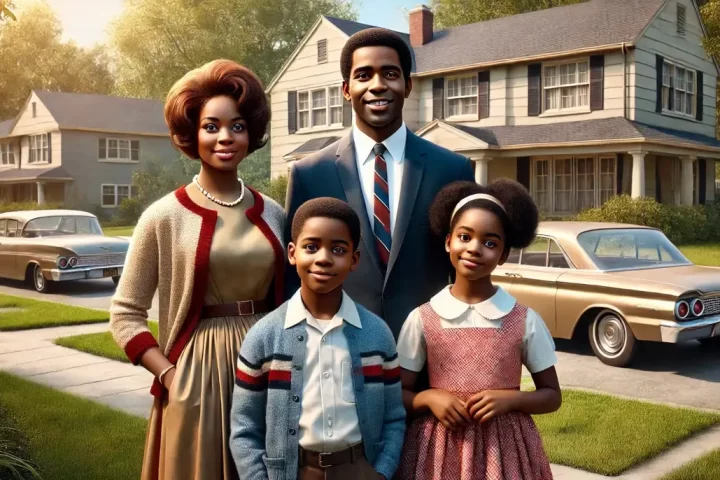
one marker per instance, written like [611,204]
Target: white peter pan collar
[296,311]
[494,308]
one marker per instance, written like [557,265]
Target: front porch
[570,167]
[39,186]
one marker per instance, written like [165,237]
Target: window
[513,257]
[462,96]
[12,226]
[38,148]
[622,249]
[536,253]
[322,51]
[113,195]
[7,154]
[563,185]
[567,86]
[3,226]
[119,149]
[320,108]
[678,89]
[680,19]
[556,257]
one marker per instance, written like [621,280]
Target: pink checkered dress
[465,361]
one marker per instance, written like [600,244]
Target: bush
[682,224]
[275,189]
[18,206]
[129,212]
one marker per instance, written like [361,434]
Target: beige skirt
[188,430]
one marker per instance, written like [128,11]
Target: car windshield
[630,249]
[61,225]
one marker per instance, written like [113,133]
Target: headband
[476,196]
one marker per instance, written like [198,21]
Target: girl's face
[222,134]
[476,244]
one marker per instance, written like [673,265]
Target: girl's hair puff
[520,216]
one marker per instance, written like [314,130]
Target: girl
[213,251]
[474,422]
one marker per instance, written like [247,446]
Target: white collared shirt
[538,347]
[328,418]
[394,158]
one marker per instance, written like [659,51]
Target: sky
[85,21]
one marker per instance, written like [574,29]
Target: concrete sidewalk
[33,355]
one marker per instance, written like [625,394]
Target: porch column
[638,174]
[40,193]
[686,185]
[481,170]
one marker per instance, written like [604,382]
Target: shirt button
[325,339]
[329,433]
[300,337]
[296,398]
[329,423]
[292,431]
[297,367]
[326,374]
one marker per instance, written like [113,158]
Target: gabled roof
[312,146]
[583,26]
[350,28]
[83,111]
[50,173]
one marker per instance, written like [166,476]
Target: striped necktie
[381,205]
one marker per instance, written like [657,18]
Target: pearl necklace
[220,202]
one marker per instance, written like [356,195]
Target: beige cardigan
[169,252]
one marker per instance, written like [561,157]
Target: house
[80,149]
[578,103]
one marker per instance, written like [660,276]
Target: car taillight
[72,262]
[697,306]
[682,309]
[62,262]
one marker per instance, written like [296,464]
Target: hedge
[19,206]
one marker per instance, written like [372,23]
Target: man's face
[377,89]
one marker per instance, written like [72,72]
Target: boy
[317,389]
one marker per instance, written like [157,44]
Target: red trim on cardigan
[255,216]
[138,345]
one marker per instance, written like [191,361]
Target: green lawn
[704,468]
[708,254]
[118,231]
[15,457]
[101,344]
[72,438]
[38,314]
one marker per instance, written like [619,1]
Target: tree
[451,13]
[710,12]
[155,42]
[6,12]
[33,57]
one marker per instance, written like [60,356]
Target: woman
[213,250]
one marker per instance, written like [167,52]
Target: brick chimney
[421,25]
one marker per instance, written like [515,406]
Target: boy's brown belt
[326,460]
[243,307]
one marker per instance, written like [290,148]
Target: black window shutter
[523,171]
[699,95]
[292,112]
[484,94]
[439,98]
[49,157]
[597,67]
[702,180]
[534,89]
[347,113]
[619,176]
[659,83]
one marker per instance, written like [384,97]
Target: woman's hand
[447,408]
[489,403]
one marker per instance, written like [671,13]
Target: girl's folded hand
[489,403]
[447,408]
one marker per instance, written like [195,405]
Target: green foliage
[157,41]
[255,169]
[683,224]
[451,13]
[20,206]
[129,211]
[34,57]
[275,189]
[14,451]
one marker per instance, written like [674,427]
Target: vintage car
[47,246]
[616,283]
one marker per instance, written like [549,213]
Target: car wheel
[41,284]
[713,342]
[611,339]
[116,280]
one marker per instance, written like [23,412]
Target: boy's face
[323,254]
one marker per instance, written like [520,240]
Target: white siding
[41,123]
[661,38]
[55,145]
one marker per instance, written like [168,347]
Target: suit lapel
[412,176]
[350,179]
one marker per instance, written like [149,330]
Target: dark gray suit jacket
[419,266]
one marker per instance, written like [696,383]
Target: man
[388,175]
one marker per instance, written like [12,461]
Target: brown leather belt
[244,307]
[326,460]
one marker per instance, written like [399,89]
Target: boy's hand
[489,403]
[450,410]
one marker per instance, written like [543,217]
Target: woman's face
[476,244]
[222,137]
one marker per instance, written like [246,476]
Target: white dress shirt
[328,419]
[394,158]
[538,347]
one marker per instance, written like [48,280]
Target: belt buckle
[320,460]
[252,307]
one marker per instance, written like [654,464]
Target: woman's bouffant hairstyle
[219,77]
[375,37]
[520,216]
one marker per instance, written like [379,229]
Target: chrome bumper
[58,275]
[675,332]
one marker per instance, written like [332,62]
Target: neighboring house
[80,149]
[578,103]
